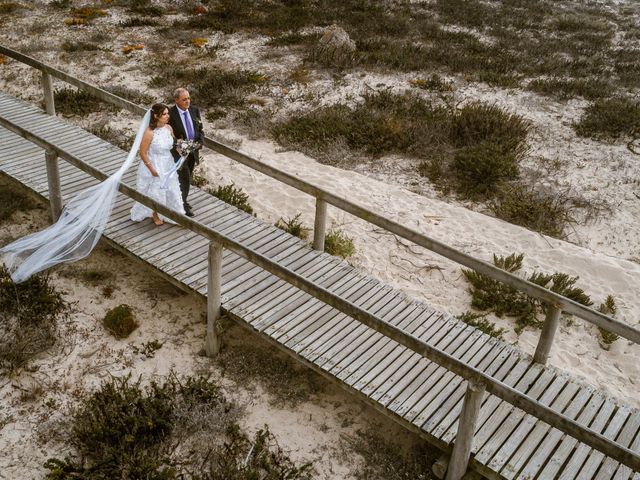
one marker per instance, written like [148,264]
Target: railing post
[214,301]
[53,180]
[548,332]
[47,88]
[320,225]
[466,429]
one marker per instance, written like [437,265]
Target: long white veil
[78,229]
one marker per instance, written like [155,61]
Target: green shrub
[120,138]
[562,88]
[120,321]
[542,212]
[211,87]
[124,430]
[79,46]
[608,307]
[479,321]
[434,83]
[233,196]
[610,119]
[480,168]
[29,316]
[294,226]
[13,200]
[338,243]
[135,96]
[134,22]
[495,296]
[70,101]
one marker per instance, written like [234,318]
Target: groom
[187,125]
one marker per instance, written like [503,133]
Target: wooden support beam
[53,180]
[47,89]
[214,300]
[320,225]
[466,430]
[548,332]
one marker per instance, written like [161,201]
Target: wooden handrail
[531,289]
[501,390]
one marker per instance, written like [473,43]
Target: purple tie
[187,122]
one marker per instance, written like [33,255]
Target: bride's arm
[144,150]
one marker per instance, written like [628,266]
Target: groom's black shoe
[188,212]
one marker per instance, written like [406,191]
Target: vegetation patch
[233,196]
[119,138]
[29,315]
[385,459]
[538,210]
[565,88]
[210,87]
[134,22]
[120,321]
[79,46]
[479,321]
[13,200]
[336,242]
[294,226]
[607,338]
[434,83]
[175,429]
[494,296]
[610,119]
[70,101]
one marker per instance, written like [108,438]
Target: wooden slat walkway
[421,395]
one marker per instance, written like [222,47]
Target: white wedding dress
[159,155]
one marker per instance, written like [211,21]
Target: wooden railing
[477,381]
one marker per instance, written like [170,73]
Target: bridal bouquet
[186,147]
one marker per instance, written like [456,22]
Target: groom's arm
[200,138]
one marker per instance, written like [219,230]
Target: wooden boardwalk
[419,394]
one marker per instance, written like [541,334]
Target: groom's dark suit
[185,172]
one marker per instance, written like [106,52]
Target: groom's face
[183,101]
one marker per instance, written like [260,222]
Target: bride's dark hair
[156,111]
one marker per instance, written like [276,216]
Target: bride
[155,176]
[85,216]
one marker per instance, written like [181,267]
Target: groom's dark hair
[156,111]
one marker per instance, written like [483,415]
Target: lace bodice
[161,142]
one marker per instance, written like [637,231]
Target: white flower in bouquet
[185,147]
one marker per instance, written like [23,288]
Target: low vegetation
[120,321]
[479,321]
[610,119]
[30,313]
[70,101]
[213,88]
[233,196]
[294,226]
[472,149]
[248,364]
[174,428]
[494,296]
[336,242]
[14,200]
[607,338]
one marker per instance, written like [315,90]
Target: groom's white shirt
[184,125]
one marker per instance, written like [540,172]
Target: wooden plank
[596,458]
[408,403]
[542,441]
[488,359]
[382,353]
[368,347]
[344,344]
[497,450]
[609,466]
[312,315]
[596,418]
[511,372]
[625,472]
[439,396]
